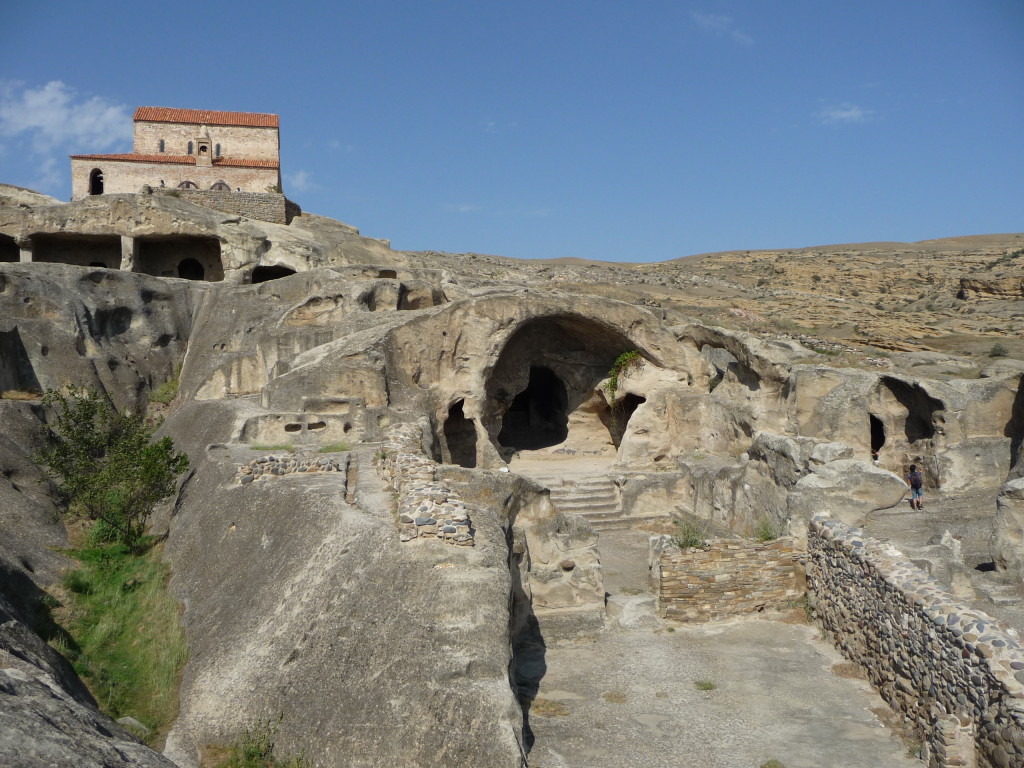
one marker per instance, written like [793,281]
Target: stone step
[623,523]
[1001,594]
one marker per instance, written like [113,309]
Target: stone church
[187,149]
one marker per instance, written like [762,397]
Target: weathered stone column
[25,246]
[129,252]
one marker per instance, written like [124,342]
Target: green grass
[335,447]
[123,634]
[263,447]
[706,685]
[255,749]
[773,763]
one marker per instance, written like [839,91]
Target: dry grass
[548,708]
[614,697]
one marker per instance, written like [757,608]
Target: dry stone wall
[427,509]
[266,467]
[956,674]
[727,578]
[269,206]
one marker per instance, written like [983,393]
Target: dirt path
[628,697]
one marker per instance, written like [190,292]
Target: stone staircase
[594,497]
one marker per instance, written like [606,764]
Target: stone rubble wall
[954,673]
[269,206]
[266,467]
[426,508]
[728,578]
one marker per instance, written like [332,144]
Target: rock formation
[325,586]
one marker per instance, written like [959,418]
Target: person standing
[916,482]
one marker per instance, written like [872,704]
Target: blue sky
[639,131]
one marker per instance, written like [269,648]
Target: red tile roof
[201,116]
[221,162]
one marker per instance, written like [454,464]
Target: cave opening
[460,436]
[919,406]
[190,269]
[616,418]
[538,416]
[877,433]
[263,274]
[191,257]
[9,250]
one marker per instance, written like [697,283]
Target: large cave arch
[543,384]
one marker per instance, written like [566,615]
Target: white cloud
[301,181]
[462,207]
[843,113]
[722,26]
[56,117]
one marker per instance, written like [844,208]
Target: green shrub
[706,685]
[766,530]
[773,763]
[167,391]
[105,465]
[690,535]
[998,350]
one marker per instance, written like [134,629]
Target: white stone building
[187,149]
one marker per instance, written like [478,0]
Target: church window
[216,150]
[190,147]
[221,186]
[161,145]
[188,185]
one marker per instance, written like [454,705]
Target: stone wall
[954,673]
[269,206]
[727,578]
[243,141]
[266,467]
[426,508]
[129,176]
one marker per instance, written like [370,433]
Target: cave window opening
[538,416]
[460,435]
[263,274]
[621,413]
[190,269]
[387,274]
[877,434]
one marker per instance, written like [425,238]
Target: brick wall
[728,578]
[954,673]
[130,176]
[235,141]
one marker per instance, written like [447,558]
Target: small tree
[105,465]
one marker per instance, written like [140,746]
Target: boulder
[1008,537]
[847,489]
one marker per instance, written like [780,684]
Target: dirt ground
[725,695]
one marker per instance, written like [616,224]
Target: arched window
[220,186]
[190,147]
[161,145]
[96,182]
[216,150]
[188,185]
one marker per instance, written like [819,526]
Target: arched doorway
[96,182]
[188,185]
[190,269]
[220,186]
[877,434]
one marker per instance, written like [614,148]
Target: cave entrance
[542,391]
[9,250]
[877,433]
[190,269]
[460,436]
[263,274]
[537,417]
[80,250]
[191,257]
